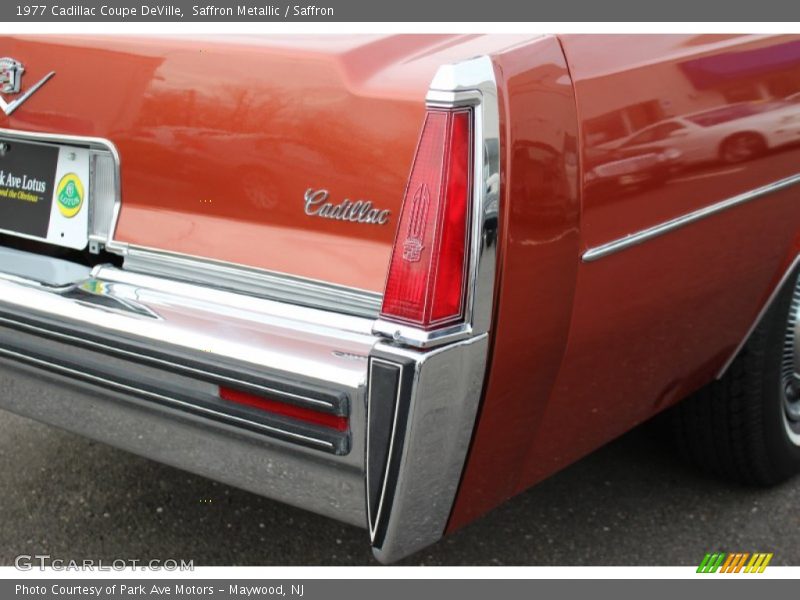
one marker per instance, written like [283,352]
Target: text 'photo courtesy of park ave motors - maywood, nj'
[169,10]
[158,589]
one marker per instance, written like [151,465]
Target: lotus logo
[11,83]
[69,194]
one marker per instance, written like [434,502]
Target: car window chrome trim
[639,237]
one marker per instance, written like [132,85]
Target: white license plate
[44,192]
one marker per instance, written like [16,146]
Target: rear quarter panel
[584,351]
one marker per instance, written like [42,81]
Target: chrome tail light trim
[468,84]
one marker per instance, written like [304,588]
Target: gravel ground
[630,503]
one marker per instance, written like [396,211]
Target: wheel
[741,147]
[746,426]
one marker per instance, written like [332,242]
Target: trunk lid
[220,139]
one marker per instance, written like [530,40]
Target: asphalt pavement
[630,503]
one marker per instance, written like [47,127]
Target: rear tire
[746,426]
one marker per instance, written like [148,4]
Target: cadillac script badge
[358,211]
[11,83]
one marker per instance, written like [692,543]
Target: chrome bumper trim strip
[137,388]
[203,336]
[640,237]
[305,477]
[180,362]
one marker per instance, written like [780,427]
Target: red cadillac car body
[395,280]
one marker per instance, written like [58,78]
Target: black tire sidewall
[783,453]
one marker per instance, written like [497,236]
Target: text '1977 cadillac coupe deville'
[397,280]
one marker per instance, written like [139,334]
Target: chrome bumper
[137,361]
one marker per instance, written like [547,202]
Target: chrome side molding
[639,237]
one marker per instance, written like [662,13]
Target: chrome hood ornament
[358,211]
[11,83]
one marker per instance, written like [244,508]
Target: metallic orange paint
[602,136]
[642,328]
[220,137]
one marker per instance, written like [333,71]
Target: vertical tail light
[426,284]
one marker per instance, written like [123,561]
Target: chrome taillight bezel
[468,85]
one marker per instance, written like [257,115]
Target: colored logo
[69,195]
[736,562]
[94,286]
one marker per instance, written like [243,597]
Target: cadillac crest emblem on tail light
[413,246]
[427,283]
[11,83]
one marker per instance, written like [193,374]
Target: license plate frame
[45,191]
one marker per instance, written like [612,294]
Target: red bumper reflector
[426,284]
[284,409]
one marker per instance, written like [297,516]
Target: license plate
[44,192]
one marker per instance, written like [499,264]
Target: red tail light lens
[427,273]
[284,409]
